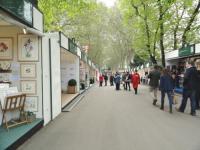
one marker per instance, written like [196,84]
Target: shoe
[177,109]
[193,113]
[161,108]
[154,101]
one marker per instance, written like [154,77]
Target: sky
[108,3]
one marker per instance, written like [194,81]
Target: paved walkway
[109,120]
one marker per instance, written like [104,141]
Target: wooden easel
[13,103]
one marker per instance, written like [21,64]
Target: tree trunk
[188,27]
[147,30]
[148,45]
[175,38]
[162,48]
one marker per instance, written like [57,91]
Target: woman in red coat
[135,80]
[100,80]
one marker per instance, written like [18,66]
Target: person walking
[100,80]
[111,80]
[198,87]
[154,77]
[127,81]
[106,79]
[123,80]
[190,85]
[135,81]
[166,87]
[117,81]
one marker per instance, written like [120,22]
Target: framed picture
[28,87]
[28,70]
[31,104]
[6,48]
[28,48]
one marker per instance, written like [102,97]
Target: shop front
[92,74]
[64,70]
[21,80]
[84,72]
[176,61]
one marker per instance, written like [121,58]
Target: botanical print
[28,70]
[3,47]
[6,48]
[28,87]
[5,65]
[31,104]
[28,48]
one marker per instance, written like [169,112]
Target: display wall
[69,69]
[25,71]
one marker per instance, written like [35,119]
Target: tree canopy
[140,30]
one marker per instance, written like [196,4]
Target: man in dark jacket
[198,88]
[111,79]
[106,79]
[154,76]
[166,87]
[190,86]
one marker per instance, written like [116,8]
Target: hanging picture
[6,49]
[28,87]
[28,48]
[28,70]
[31,104]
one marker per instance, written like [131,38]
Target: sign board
[20,8]
[37,19]
[186,51]
[197,48]
[64,41]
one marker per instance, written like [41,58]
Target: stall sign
[186,51]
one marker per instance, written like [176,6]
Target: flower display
[3,47]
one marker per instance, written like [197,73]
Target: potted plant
[71,89]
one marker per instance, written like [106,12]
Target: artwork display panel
[28,48]
[31,104]
[6,48]
[28,87]
[28,70]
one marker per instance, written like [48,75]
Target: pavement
[106,119]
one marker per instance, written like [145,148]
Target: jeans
[154,91]
[197,99]
[106,82]
[101,82]
[127,86]
[169,95]
[188,94]
[117,86]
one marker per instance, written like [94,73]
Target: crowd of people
[126,79]
[165,81]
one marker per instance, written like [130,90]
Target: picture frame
[28,48]
[6,48]
[31,104]
[28,70]
[28,87]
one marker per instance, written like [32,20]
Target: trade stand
[64,67]
[20,69]
[176,60]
